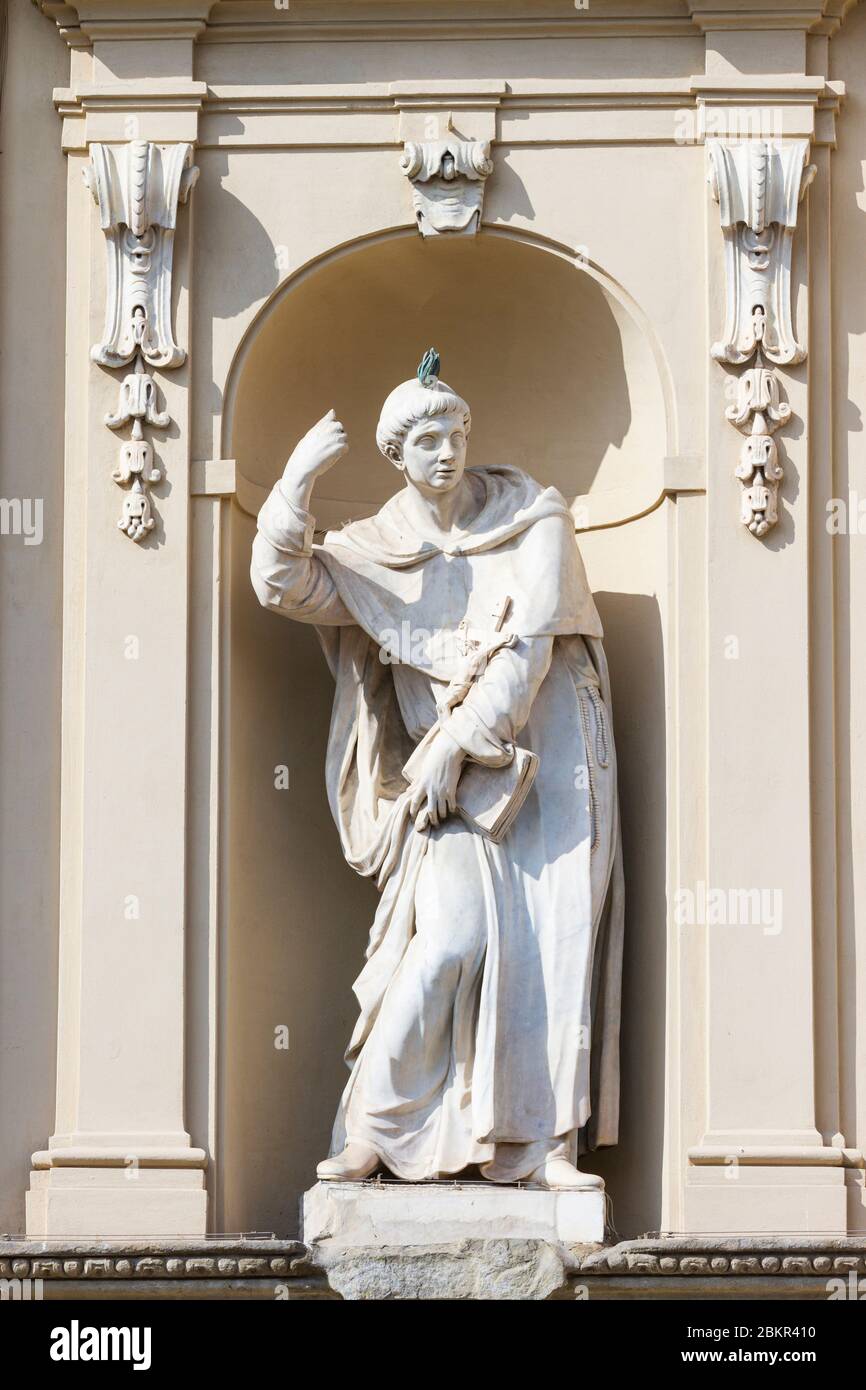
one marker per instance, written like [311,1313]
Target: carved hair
[409,404]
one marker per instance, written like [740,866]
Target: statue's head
[424,428]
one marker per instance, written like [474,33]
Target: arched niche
[564,380]
[563,377]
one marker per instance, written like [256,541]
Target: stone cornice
[252,21]
[753,1255]
[457,95]
[383,115]
[74,1258]
[267,1267]
[811,16]
[443,20]
[83,21]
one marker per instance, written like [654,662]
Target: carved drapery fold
[138,188]
[759,185]
[448,178]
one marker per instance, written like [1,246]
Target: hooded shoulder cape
[520,545]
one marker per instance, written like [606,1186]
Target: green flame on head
[428,371]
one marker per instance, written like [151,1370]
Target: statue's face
[434,453]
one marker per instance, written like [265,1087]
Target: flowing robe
[490,997]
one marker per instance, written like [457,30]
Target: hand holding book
[487,798]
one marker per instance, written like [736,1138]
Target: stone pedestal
[448,1240]
[115,1202]
[393,1214]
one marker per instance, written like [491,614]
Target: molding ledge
[728,1256]
[263,1267]
[257,21]
[683,111]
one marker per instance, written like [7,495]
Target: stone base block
[371,1214]
[116,1203]
[751,1199]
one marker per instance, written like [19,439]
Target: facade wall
[578,323]
[849,575]
[32,334]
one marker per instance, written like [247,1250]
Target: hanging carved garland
[758,185]
[138,188]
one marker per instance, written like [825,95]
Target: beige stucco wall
[849,567]
[32,332]
[578,323]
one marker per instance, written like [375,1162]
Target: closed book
[489,798]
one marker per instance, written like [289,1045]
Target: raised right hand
[318,451]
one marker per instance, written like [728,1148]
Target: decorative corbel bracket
[758,185]
[448,178]
[138,188]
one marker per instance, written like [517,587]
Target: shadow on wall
[298,919]
[633,1170]
[560,380]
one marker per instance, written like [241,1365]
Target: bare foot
[357,1161]
[558,1173]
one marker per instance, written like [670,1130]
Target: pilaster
[121,1162]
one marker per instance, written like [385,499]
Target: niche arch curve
[563,370]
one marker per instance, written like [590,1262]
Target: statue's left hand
[434,792]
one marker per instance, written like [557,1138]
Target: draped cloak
[409,629]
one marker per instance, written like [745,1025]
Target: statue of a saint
[462,636]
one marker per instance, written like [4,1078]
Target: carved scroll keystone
[758,185]
[448,178]
[138,188]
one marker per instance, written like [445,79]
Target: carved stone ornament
[448,179]
[137,188]
[135,463]
[825,1267]
[137,402]
[758,185]
[759,412]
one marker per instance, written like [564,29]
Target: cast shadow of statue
[633,1169]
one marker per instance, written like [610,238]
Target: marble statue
[461,633]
